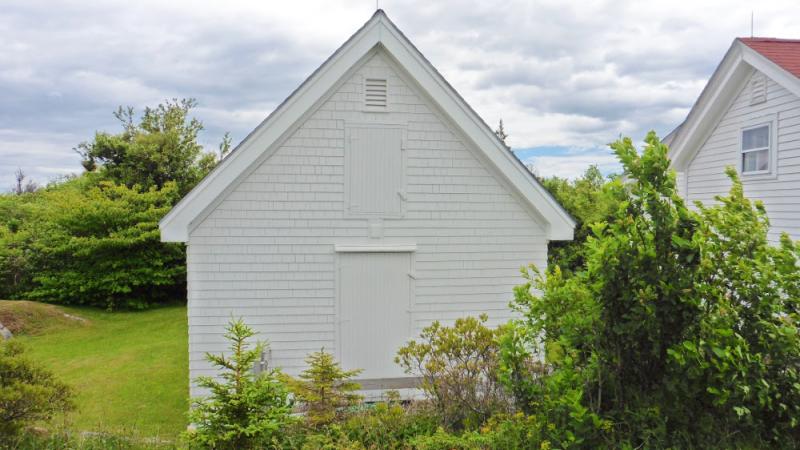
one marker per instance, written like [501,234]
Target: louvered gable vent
[758,89]
[375,94]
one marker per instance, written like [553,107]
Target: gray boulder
[5,333]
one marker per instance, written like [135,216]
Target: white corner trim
[376,248]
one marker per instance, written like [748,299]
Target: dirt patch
[22,317]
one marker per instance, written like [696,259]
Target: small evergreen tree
[244,410]
[324,388]
[501,132]
[28,392]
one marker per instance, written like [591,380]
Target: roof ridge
[768,39]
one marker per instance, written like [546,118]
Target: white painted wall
[779,191]
[266,251]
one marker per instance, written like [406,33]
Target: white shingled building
[371,202]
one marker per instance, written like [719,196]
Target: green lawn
[129,370]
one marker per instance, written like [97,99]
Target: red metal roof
[783,52]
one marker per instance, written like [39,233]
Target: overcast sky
[566,77]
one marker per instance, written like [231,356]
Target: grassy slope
[129,369]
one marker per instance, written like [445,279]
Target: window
[755,149]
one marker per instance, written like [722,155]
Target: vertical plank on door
[374,296]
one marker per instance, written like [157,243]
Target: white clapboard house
[371,202]
[748,117]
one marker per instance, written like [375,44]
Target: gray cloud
[575,74]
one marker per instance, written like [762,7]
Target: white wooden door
[374,303]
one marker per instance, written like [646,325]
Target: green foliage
[94,239]
[390,425]
[680,331]
[66,439]
[161,148]
[743,362]
[442,440]
[16,254]
[95,243]
[28,392]
[324,388]
[243,410]
[589,199]
[459,370]
[387,425]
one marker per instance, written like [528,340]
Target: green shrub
[459,370]
[442,440]
[95,243]
[244,410]
[94,239]
[28,392]
[390,425]
[65,439]
[743,362]
[324,389]
[681,330]
[590,199]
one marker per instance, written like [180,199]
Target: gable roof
[783,52]
[778,59]
[378,31]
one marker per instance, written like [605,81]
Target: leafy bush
[590,199]
[323,389]
[94,239]
[390,425]
[384,425]
[28,392]
[328,437]
[244,410]
[95,243]
[681,330]
[442,440]
[65,439]
[743,363]
[459,370]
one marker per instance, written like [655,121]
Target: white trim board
[378,31]
[367,248]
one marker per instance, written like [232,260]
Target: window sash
[760,131]
[758,157]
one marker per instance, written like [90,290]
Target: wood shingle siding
[266,251]
[778,191]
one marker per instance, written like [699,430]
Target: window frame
[770,149]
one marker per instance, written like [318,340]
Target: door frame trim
[412,286]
